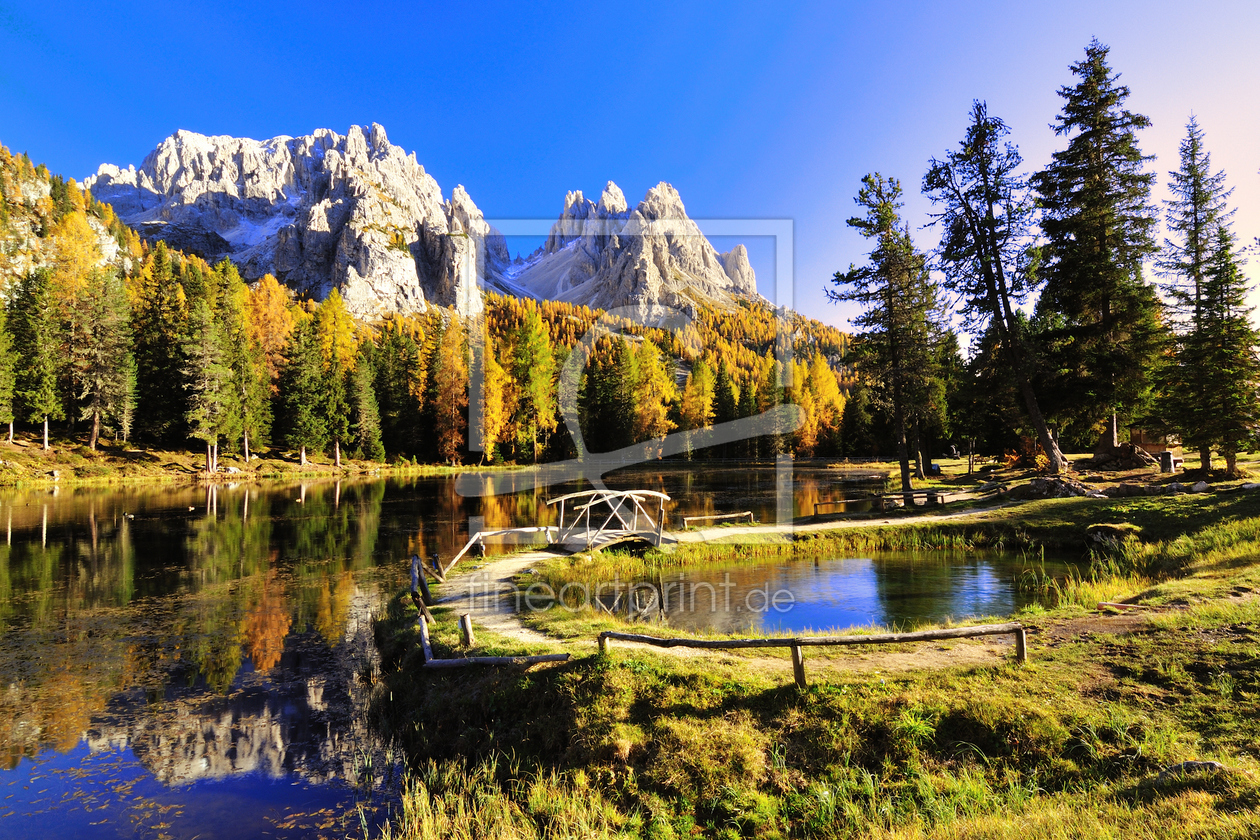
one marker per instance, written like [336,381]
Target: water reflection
[891,589]
[170,637]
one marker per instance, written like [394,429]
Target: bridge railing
[625,507]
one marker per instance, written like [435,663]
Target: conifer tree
[302,391]
[208,380]
[399,371]
[36,333]
[1197,213]
[1233,420]
[270,323]
[494,382]
[8,370]
[338,348]
[1099,226]
[449,377]
[534,374]
[697,403]
[654,392]
[101,357]
[894,343]
[158,325]
[367,420]
[985,248]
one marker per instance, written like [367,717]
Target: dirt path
[485,590]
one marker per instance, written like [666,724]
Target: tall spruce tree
[985,249]
[302,392]
[208,380]
[1196,215]
[534,373]
[1222,353]
[8,368]
[1099,226]
[367,419]
[36,333]
[101,357]
[894,341]
[158,326]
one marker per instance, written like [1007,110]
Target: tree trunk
[903,456]
[245,442]
[209,460]
[10,431]
[45,432]
[1058,463]
[96,431]
[971,455]
[304,456]
[216,455]
[918,451]
[1231,462]
[1205,459]
[337,453]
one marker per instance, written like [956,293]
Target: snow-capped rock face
[323,211]
[605,255]
[356,213]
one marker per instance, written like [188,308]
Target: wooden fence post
[418,579]
[798,667]
[465,628]
[1021,646]
[425,647]
[603,640]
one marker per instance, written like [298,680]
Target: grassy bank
[26,463]
[1076,744]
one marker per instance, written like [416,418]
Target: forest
[1031,329]
[105,335]
[1071,341]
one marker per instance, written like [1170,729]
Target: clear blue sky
[771,110]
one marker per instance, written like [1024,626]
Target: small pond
[889,589]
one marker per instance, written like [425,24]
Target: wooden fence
[687,520]
[799,644]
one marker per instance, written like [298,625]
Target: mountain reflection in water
[171,654]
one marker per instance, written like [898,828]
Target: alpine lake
[198,662]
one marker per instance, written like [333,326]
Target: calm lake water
[192,662]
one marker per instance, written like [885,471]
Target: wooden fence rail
[798,644]
[687,520]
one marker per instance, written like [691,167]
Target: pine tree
[654,392]
[985,248]
[1099,226]
[534,374]
[36,333]
[338,348]
[270,323]
[208,380]
[367,419]
[302,391]
[894,343]
[8,370]
[101,357]
[494,382]
[1196,214]
[399,369]
[1225,351]
[450,391]
[249,419]
[158,327]
[697,403]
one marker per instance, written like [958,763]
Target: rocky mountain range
[356,213]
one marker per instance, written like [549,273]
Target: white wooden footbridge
[591,519]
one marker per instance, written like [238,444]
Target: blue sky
[750,110]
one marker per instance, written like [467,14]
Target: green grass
[1071,745]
